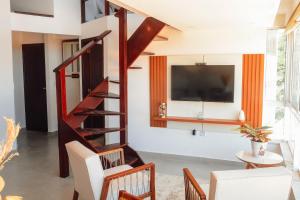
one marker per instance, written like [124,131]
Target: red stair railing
[61,77]
[62,101]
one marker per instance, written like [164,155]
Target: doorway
[92,75]
[35,87]
[69,48]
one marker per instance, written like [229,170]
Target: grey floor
[34,174]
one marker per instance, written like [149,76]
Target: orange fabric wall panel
[252,94]
[158,88]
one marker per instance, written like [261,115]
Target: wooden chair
[193,191]
[102,176]
[123,195]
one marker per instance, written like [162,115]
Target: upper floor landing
[57,16]
[47,16]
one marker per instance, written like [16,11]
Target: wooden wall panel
[252,94]
[158,88]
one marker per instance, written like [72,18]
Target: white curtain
[292,94]
[270,103]
[282,91]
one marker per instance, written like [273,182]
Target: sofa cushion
[259,184]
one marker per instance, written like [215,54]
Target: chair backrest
[260,184]
[87,171]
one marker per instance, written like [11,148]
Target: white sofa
[272,183]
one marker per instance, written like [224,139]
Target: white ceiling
[207,14]
[286,9]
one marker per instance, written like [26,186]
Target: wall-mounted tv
[210,83]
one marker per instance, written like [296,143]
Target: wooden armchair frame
[123,195]
[112,158]
[193,191]
[147,167]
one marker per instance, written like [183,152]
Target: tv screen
[211,83]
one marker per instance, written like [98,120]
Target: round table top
[269,158]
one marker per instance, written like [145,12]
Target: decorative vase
[258,148]
[242,116]
[163,110]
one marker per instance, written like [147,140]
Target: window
[274,87]
[294,75]
[292,121]
[282,88]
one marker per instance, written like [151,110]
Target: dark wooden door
[92,75]
[35,87]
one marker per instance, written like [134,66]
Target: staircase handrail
[83,50]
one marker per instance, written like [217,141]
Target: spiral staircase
[71,125]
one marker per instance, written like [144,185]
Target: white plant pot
[258,148]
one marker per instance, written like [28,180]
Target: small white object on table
[270,159]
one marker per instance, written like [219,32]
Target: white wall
[33,6]
[19,38]
[219,47]
[219,142]
[72,84]
[53,57]
[227,41]
[6,67]
[66,20]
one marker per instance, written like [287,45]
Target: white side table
[270,159]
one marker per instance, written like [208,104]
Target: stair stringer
[142,37]
[70,133]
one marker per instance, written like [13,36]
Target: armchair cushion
[259,184]
[115,170]
[87,170]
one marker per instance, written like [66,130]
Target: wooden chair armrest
[188,175]
[250,166]
[123,195]
[108,179]
[113,154]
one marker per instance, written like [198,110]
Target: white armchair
[272,183]
[92,182]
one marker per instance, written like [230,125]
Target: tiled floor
[34,174]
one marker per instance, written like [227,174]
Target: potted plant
[259,138]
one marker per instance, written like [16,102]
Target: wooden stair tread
[95,112]
[88,103]
[115,81]
[130,159]
[105,95]
[145,53]
[160,38]
[93,132]
[109,147]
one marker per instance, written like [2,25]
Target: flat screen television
[210,83]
